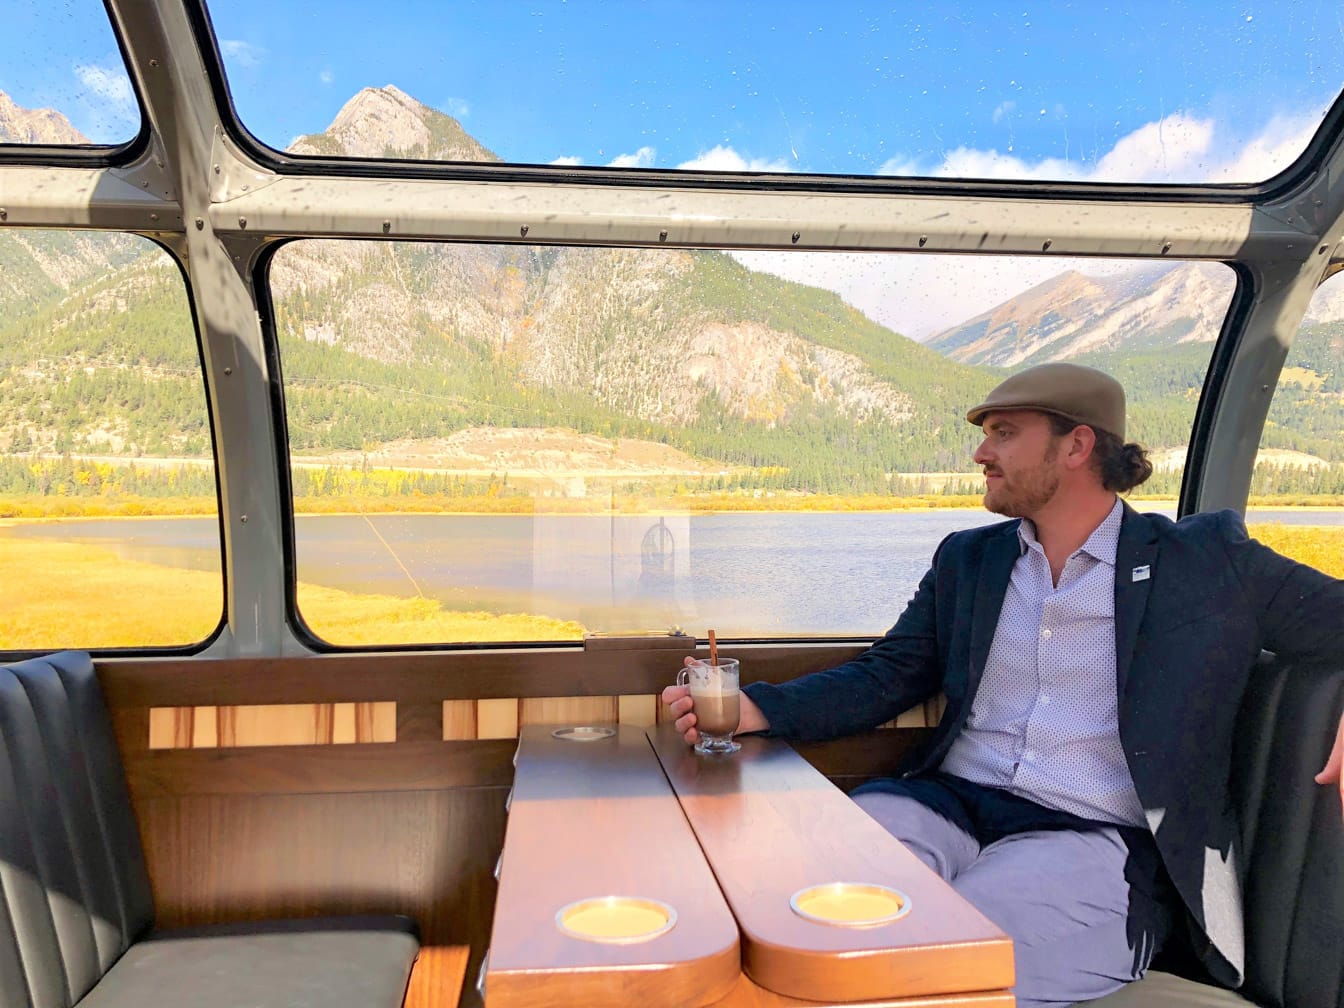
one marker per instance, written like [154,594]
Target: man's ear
[1080,443]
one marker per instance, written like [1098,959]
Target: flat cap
[1081,394]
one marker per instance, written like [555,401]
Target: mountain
[386,122]
[1073,314]
[419,351]
[35,126]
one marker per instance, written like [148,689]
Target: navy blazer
[1186,638]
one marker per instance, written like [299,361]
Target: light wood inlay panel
[271,724]
[497,719]
[640,711]
[459,719]
[580,710]
[771,825]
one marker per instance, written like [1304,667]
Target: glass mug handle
[684,677]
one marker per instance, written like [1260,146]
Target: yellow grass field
[58,595]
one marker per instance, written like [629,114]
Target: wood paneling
[293,770]
[497,718]
[427,854]
[640,711]
[459,719]
[749,995]
[580,710]
[438,977]
[275,724]
[433,676]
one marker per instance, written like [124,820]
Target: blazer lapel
[1135,569]
[996,568]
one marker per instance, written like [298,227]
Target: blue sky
[1155,90]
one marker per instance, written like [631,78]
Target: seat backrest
[74,893]
[1293,837]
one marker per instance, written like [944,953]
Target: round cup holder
[850,904]
[583,733]
[619,920]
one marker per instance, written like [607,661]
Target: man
[1093,661]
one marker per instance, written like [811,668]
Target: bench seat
[76,913]
[1292,852]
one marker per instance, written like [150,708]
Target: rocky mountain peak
[35,126]
[387,122]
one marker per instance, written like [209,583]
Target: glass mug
[714,689]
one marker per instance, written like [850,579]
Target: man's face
[1020,457]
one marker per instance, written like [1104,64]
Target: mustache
[991,471]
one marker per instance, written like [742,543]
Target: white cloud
[568,160]
[326,76]
[109,83]
[920,295]
[723,158]
[458,108]
[243,53]
[642,158]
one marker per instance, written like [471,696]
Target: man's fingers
[1333,772]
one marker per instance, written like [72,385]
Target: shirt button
[1045,634]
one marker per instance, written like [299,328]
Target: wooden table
[771,825]
[595,819]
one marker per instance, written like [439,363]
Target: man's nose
[982,454]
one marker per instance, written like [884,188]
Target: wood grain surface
[770,825]
[747,994]
[594,819]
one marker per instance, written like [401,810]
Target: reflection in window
[1301,458]
[526,443]
[63,81]
[109,535]
[993,91]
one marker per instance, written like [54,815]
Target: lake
[746,575]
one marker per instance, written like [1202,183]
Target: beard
[1027,492]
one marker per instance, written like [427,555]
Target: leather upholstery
[75,903]
[1292,851]
[75,891]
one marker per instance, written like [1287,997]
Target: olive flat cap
[1081,394]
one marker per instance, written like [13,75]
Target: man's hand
[682,706]
[1334,766]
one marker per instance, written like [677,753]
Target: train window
[63,81]
[109,535]
[932,90]
[1301,458]
[526,443]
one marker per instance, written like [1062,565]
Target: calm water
[745,575]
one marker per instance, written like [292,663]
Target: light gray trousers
[1079,904]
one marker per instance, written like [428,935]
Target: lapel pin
[1140,573]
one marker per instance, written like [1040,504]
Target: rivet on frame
[923,240]
[4,215]
[228,371]
[243,519]
[242,222]
[796,236]
[387,226]
[523,230]
[1045,247]
[200,224]
[154,63]
[662,236]
[1166,247]
[1320,251]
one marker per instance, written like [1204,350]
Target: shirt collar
[1101,544]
